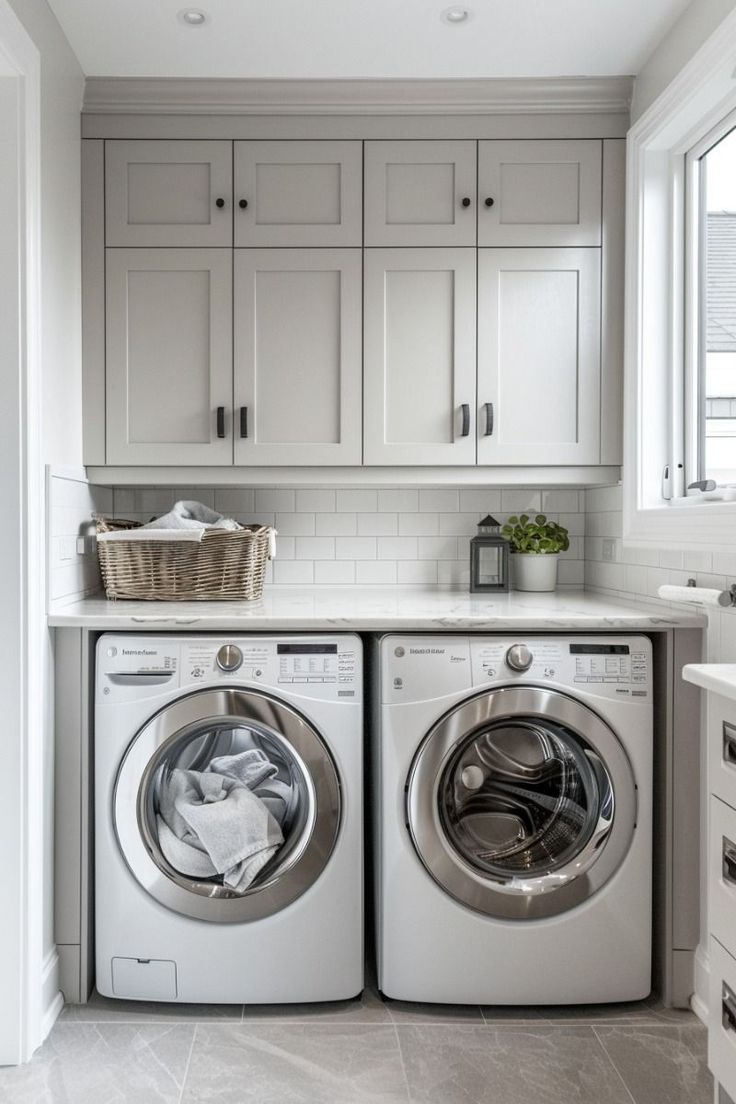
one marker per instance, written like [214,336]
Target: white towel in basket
[192,515]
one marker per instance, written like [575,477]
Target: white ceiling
[284,39]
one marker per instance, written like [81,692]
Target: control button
[229,657]
[519,658]
[301,678]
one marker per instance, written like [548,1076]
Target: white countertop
[719,678]
[375,609]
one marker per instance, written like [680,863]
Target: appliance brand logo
[427,651]
[138,651]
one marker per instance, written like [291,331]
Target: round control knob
[229,657]
[519,658]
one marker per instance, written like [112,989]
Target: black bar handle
[244,421]
[465,410]
[729,743]
[489,419]
[220,202]
[729,861]
[221,421]
[728,1008]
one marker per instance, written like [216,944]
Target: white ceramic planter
[535,571]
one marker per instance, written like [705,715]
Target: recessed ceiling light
[193,17]
[455,16]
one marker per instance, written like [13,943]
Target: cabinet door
[539,356]
[419,372]
[169,356]
[297,356]
[420,193]
[539,193]
[168,193]
[298,193]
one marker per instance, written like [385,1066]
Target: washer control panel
[329,668]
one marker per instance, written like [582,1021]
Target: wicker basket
[224,564]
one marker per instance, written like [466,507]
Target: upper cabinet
[298,193]
[533,193]
[420,193]
[168,193]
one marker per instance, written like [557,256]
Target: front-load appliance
[513,823]
[168,703]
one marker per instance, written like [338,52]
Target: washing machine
[172,708]
[514,818]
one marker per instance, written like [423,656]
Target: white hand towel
[192,515]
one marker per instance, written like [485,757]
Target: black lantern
[489,558]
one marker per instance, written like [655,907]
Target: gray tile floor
[366,1051]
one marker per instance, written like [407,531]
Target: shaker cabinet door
[298,193]
[420,193]
[168,193]
[419,333]
[297,356]
[169,356]
[538,356]
[533,193]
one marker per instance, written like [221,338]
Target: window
[711,300]
[680,330]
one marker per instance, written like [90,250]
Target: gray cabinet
[533,193]
[169,356]
[539,356]
[420,193]
[419,396]
[170,193]
[297,356]
[298,193]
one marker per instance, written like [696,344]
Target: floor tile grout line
[616,1070]
[189,1062]
[404,1070]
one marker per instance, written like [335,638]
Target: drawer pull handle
[729,861]
[244,421]
[465,410]
[489,419]
[729,743]
[221,421]
[728,1008]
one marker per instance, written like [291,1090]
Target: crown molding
[203,96]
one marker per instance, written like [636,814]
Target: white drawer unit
[722,873]
[722,1019]
[722,749]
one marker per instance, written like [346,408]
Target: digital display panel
[306,649]
[599,649]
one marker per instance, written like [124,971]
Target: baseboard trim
[52,1000]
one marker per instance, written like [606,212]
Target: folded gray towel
[192,515]
[208,818]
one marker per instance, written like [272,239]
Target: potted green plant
[536,546]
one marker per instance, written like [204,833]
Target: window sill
[675,525]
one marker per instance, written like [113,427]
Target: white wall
[694,26]
[61,98]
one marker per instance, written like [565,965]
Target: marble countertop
[376,609]
[719,678]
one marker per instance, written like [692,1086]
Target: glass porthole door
[180,800]
[521,803]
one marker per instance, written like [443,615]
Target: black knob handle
[243,203]
[244,421]
[490,201]
[465,201]
[221,421]
[220,202]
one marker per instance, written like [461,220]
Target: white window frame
[661,336]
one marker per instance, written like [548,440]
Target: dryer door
[521,803]
[173,779]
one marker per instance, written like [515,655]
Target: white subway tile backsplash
[315,548]
[334,572]
[459,524]
[398,500]
[234,500]
[315,500]
[375,572]
[274,500]
[294,525]
[397,548]
[378,525]
[519,500]
[480,500]
[439,498]
[438,548]
[296,572]
[356,548]
[419,525]
[556,502]
[336,525]
[417,572]
[358,501]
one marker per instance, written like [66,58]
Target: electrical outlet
[609,550]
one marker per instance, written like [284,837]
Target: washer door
[521,803]
[190,733]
